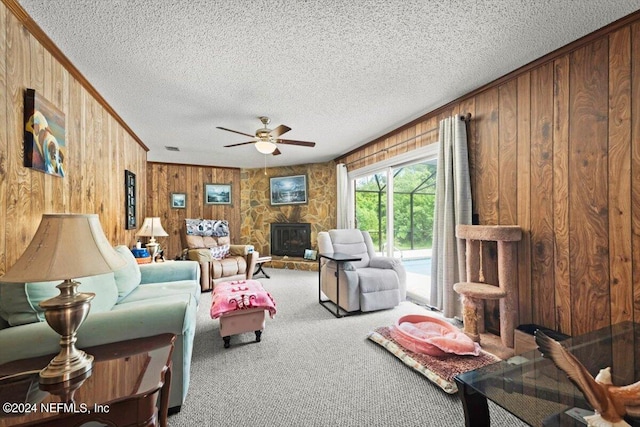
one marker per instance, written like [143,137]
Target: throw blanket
[240,295]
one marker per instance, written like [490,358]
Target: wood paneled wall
[99,147]
[250,213]
[165,178]
[555,148]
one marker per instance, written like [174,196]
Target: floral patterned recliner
[207,241]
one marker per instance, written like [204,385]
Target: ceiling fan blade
[240,143]
[294,142]
[276,152]
[235,131]
[280,130]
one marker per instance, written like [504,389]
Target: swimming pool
[418,265]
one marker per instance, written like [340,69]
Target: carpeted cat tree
[474,291]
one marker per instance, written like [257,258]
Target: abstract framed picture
[178,200]
[44,135]
[217,194]
[288,190]
[129,200]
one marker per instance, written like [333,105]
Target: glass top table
[537,392]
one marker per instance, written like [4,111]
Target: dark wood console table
[128,385]
[339,259]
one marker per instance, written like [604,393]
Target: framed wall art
[217,194]
[178,200]
[44,135]
[310,254]
[288,190]
[130,200]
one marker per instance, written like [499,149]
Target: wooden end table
[128,381]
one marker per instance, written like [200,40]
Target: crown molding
[18,11]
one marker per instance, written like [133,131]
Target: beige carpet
[311,369]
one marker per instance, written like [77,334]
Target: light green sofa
[136,301]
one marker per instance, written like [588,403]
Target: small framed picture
[310,254]
[130,199]
[217,194]
[178,200]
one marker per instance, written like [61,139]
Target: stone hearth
[293,263]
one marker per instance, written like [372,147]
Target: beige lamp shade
[152,227]
[66,246]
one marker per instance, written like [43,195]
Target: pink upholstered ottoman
[240,306]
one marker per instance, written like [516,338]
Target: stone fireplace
[290,239]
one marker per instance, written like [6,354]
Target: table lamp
[66,246]
[151,227]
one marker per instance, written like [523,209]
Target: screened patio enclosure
[402,225]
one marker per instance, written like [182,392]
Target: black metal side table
[258,269]
[339,259]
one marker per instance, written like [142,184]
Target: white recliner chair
[373,283]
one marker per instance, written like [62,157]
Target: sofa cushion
[227,267]
[148,292]
[194,242]
[169,271]
[19,302]
[128,277]
[197,242]
[350,242]
[376,280]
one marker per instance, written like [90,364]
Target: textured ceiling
[339,73]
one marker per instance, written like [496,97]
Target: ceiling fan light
[265,147]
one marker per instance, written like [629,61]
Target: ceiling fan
[266,139]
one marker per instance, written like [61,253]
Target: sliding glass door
[413,205]
[371,207]
[401,226]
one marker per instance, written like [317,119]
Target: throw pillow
[207,227]
[219,228]
[194,227]
[220,252]
[20,302]
[127,278]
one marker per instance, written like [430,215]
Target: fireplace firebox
[290,239]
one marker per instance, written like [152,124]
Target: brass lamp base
[65,313]
[153,250]
[61,370]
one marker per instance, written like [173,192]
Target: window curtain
[343,203]
[452,207]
